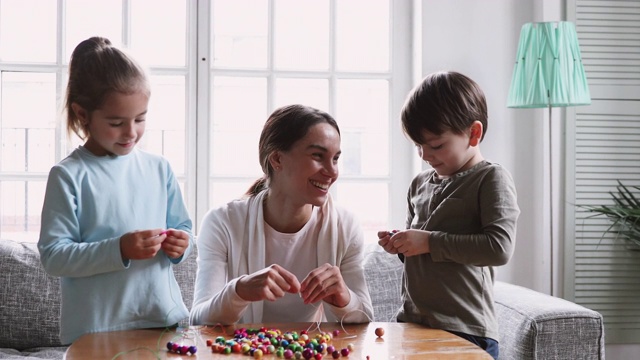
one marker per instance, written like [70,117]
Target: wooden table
[400,341]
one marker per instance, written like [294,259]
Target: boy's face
[450,153]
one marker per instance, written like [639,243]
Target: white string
[342,325]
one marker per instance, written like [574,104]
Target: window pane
[240,29]
[41,151]
[159,31]
[221,192]
[372,211]
[311,92]
[27,130]
[28,30]
[359,35]
[301,34]
[14,150]
[80,27]
[239,112]
[363,116]
[165,132]
[20,209]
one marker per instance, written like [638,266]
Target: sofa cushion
[49,353]
[30,301]
[383,273]
[538,326]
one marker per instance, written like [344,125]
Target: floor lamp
[548,73]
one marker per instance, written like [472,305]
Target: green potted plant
[624,213]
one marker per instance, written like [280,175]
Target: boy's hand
[325,283]
[411,242]
[269,283]
[176,243]
[384,240]
[143,244]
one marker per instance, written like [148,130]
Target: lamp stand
[551,242]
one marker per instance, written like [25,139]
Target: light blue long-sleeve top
[90,202]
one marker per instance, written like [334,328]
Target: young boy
[461,216]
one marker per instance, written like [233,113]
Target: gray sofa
[532,325]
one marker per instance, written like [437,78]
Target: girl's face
[308,170]
[450,153]
[118,125]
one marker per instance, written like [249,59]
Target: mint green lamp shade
[548,70]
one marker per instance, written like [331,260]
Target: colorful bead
[379,332]
[181,349]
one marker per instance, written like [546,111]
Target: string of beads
[181,349]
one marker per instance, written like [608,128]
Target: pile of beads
[288,345]
[181,349]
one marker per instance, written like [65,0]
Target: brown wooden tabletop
[400,341]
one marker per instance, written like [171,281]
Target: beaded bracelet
[181,349]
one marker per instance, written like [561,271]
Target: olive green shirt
[472,219]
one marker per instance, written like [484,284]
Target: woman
[285,242]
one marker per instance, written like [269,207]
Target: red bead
[379,332]
[345,352]
[335,354]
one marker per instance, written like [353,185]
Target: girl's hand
[325,283]
[270,283]
[384,240]
[411,242]
[176,243]
[143,244]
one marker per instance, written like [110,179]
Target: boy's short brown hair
[443,101]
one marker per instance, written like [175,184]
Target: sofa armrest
[538,326]
[29,300]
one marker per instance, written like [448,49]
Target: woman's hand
[176,243]
[270,283]
[325,283]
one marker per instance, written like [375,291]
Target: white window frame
[197,72]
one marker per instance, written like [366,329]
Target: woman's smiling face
[311,166]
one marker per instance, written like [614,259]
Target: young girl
[114,276]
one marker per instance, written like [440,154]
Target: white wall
[479,39]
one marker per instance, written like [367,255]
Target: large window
[219,68]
